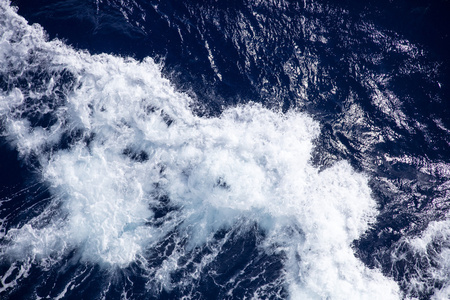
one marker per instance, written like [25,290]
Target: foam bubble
[115,141]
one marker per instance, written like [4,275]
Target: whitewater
[133,173]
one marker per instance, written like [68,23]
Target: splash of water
[115,142]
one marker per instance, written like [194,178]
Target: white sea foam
[248,164]
[431,251]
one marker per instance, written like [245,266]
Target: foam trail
[115,141]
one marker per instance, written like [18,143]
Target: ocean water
[224,149]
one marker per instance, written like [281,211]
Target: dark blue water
[375,76]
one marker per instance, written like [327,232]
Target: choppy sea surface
[257,149]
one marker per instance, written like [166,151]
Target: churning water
[258,150]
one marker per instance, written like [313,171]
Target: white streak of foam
[250,163]
[433,246]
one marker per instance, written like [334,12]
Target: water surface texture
[224,149]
